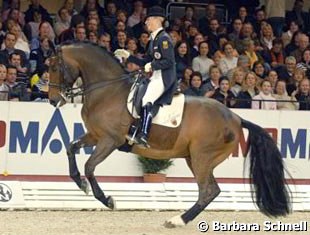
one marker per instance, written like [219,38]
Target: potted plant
[153,169]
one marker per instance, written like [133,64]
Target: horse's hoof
[85,186]
[110,203]
[174,222]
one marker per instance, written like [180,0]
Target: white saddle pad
[168,115]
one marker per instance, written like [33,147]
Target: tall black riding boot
[147,117]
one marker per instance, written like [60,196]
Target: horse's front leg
[104,148]
[84,141]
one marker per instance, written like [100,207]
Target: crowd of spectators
[259,59]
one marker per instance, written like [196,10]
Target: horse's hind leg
[103,149]
[84,141]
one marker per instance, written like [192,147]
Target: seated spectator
[36,6]
[69,5]
[4,88]
[275,57]
[250,52]
[14,5]
[235,35]
[22,75]
[31,29]
[196,87]
[286,72]
[18,91]
[45,30]
[120,41]
[223,94]
[39,87]
[259,69]
[222,42]
[189,15]
[264,100]
[293,45]
[293,83]
[272,77]
[249,90]
[121,26]
[109,18]
[21,42]
[105,41]
[202,62]
[140,28]
[212,83]
[213,35]
[303,43]
[16,15]
[243,15]
[39,57]
[297,14]
[62,21]
[184,83]
[303,94]
[288,35]
[92,37]
[281,95]
[182,57]
[135,17]
[132,47]
[92,5]
[237,79]
[229,61]
[244,63]
[176,37]
[9,45]
[80,34]
[305,62]
[77,21]
[204,22]
[267,37]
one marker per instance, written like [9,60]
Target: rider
[160,61]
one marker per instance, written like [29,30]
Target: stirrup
[132,139]
[142,143]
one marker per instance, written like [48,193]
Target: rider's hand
[148,67]
[121,53]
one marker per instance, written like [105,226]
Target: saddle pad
[168,115]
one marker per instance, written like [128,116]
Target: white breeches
[155,88]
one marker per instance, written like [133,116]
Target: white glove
[121,53]
[148,67]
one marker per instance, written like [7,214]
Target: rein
[69,92]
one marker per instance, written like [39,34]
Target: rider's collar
[154,34]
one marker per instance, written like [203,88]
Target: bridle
[66,91]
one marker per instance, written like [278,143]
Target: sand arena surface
[128,222]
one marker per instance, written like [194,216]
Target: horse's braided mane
[103,49]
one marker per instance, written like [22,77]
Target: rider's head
[155,18]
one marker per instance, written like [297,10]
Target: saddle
[167,115]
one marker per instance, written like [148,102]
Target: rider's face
[153,23]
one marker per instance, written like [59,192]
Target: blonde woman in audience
[281,95]
[237,80]
[267,37]
[21,40]
[249,90]
[264,100]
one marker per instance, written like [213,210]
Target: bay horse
[208,134]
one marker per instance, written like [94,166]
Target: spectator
[40,57]
[121,15]
[69,5]
[213,35]
[32,27]
[62,21]
[229,61]
[135,17]
[189,15]
[92,37]
[4,88]
[139,28]
[184,83]
[275,57]
[132,46]
[293,45]
[121,26]
[105,41]
[286,72]
[249,90]
[16,15]
[223,94]
[260,70]
[282,96]
[18,91]
[244,62]
[214,82]
[92,5]
[303,94]
[45,30]
[69,34]
[196,88]
[305,62]
[22,75]
[21,42]
[182,57]
[299,16]
[120,42]
[272,77]
[267,37]
[243,15]
[40,83]
[198,38]
[264,100]
[109,18]
[288,35]
[237,79]
[35,5]
[293,83]
[14,4]
[250,51]
[222,41]
[204,22]
[202,62]
[234,36]
[275,13]
[143,42]
[176,37]
[80,33]
[260,17]
[303,43]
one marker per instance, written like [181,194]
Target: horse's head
[63,73]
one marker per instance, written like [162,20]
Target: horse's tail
[267,172]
